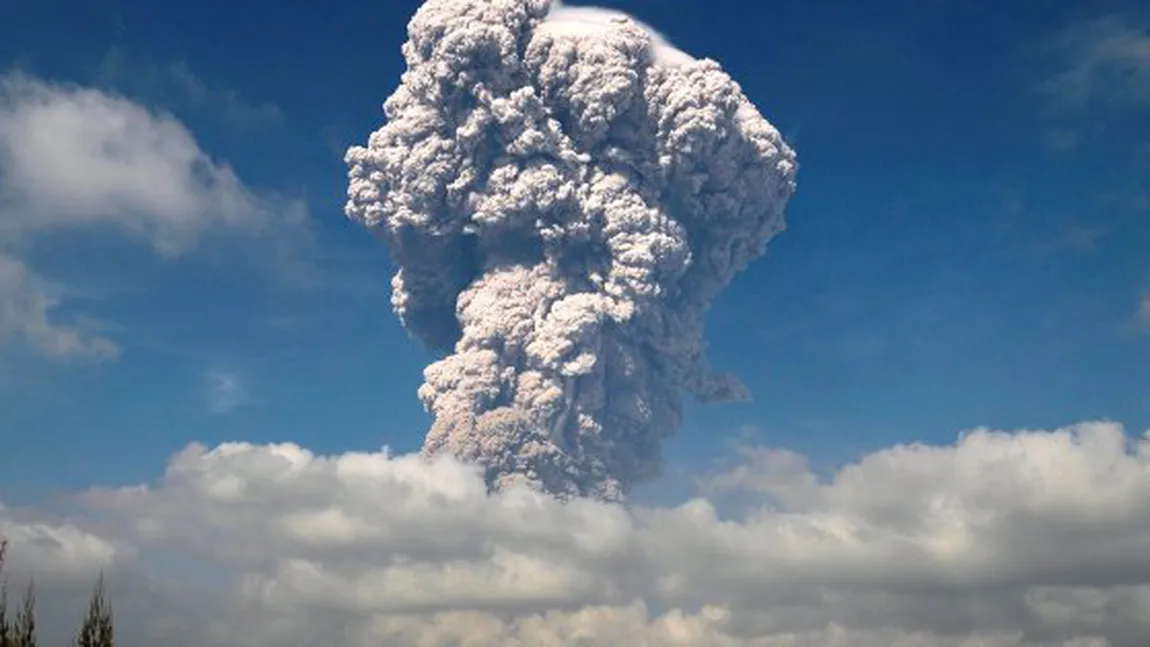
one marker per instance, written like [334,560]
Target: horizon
[205,392]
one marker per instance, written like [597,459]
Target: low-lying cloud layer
[1023,538]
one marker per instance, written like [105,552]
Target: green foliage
[7,638]
[25,632]
[96,630]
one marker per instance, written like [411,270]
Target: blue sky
[966,246]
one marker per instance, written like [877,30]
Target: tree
[97,628]
[6,637]
[25,632]
[96,631]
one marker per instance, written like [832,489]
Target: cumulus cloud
[1002,538]
[74,156]
[77,158]
[1105,58]
[565,193]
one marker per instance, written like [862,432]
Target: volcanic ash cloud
[564,194]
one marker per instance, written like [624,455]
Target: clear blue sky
[967,245]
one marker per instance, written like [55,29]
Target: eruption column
[564,194]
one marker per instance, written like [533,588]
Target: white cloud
[1108,57]
[225,391]
[1026,538]
[594,20]
[1062,140]
[1141,323]
[176,83]
[233,109]
[26,306]
[73,157]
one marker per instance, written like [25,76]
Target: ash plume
[564,194]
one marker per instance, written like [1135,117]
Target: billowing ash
[564,193]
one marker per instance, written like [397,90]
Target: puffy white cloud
[1023,538]
[74,157]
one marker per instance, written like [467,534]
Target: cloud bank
[565,193]
[1000,539]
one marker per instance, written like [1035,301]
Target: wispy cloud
[79,158]
[233,109]
[26,305]
[1140,323]
[1061,140]
[1072,238]
[176,83]
[225,391]
[1106,58]
[1083,239]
